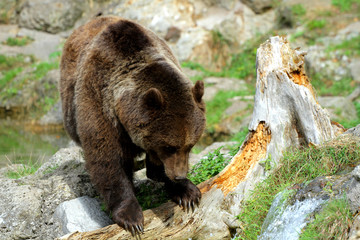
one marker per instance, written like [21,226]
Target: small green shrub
[332,222]
[209,166]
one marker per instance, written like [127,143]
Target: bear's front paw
[128,215]
[184,193]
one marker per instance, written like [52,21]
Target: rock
[28,204]
[51,16]
[43,45]
[259,6]
[20,209]
[354,233]
[8,11]
[215,85]
[54,116]
[81,214]
[339,107]
[159,16]
[355,131]
[355,69]
[236,117]
[353,193]
[201,31]
[329,64]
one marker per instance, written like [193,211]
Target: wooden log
[286,114]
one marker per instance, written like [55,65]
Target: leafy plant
[297,166]
[209,166]
[332,222]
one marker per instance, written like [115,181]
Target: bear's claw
[185,194]
[128,215]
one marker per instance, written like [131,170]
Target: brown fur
[123,93]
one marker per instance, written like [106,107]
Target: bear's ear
[198,90]
[153,99]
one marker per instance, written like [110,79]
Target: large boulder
[51,16]
[27,204]
[340,108]
[259,6]
[207,32]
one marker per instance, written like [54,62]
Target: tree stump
[286,114]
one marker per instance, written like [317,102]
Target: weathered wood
[286,114]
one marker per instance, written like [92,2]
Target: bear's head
[167,119]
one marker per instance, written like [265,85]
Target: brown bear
[123,93]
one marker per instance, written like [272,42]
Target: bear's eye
[170,149]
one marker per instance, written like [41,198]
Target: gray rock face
[51,16]
[259,6]
[28,204]
[339,107]
[43,45]
[354,131]
[329,65]
[355,69]
[20,209]
[81,214]
[54,116]
[215,85]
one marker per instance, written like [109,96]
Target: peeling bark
[286,114]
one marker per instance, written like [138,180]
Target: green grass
[8,76]
[352,123]
[345,5]
[329,87]
[332,222]
[315,24]
[298,10]
[18,41]
[10,62]
[350,47]
[298,166]
[216,107]
[242,65]
[22,171]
